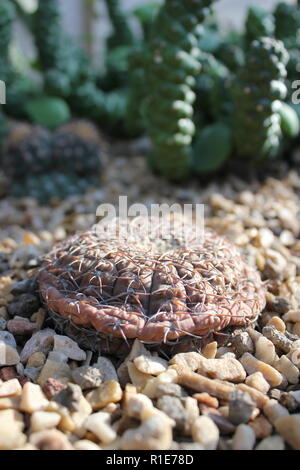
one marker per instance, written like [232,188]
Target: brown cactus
[107,289]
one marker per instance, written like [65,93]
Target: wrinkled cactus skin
[257,94]
[172,66]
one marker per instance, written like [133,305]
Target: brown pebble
[241,407]
[8,373]
[51,387]
[261,426]
[206,399]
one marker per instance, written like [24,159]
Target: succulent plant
[121,34]
[174,61]
[287,24]
[257,94]
[259,23]
[167,288]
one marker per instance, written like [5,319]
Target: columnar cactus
[122,34]
[260,86]
[259,23]
[7,16]
[287,24]
[171,70]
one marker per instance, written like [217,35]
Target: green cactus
[137,92]
[259,23]
[257,94]
[287,24]
[173,64]
[231,55]
[121,35]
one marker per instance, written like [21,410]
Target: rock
[289,428]
[54,370]
[279,305]
[243,343]
[26,286]
[24,305]
[289,401]
[10,388]
[68,347]
[171,389]
[206,399]
[3,324]
[36,359]
[57,356]
[277,323]
[11,427]
[274,411]
[8,353]
[8,373]
[244,438]
[205,432]
[150,364]
[280,340]
[32,398]
[7,338]
[138,378]
[223,424]
[174,409]
[99,424]
[109,392]
[51,439]
[257,381]
[8,403]
[271,443]
[87,377]
[259,398]
[190,360]
[223,369]
[191,413]
[261,426]
[265,350]
[292,316]
[85,444]
[107,369]
[32,373]
[288,369]
[42,341]
[140,407]
[210,350]
[21,326]
[51,387]
[69,397]
[251,364]
[241,407]
[199,383]
[165,378]
[153,434]
[41,420]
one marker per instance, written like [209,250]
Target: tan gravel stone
[41,420]
[191,360]
[273,411]
[140,407]
[244,438]
[138,378]
[271,443]
[265,350]
[11,427]
[54,370]
[153,434]
[10,388]
[8,353]
[288,369]
[191,413]
[261,426]
[99,424]
[227,369]
[36,359]
[50,439]
[292,315]
[278,323]
[68,347]
[206,399]
[150,364]
[32,398]
[259,398]
[199,383]
[257,380]
[10,403]
[251,364]
[209,351]
[205,433]
[109,392]
[289,428]
[85,444]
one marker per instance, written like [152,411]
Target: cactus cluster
[172,64]
[259,87]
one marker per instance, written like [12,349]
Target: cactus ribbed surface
[287,24]
[259,23]
[259,87]
[172,66]
[7,16]
[122,34]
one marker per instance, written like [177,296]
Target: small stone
[11,427]
[205,432]
[32,398]
[109,392]
[265,350]
[251,364]
[138,378]
[107,369]
[37,359]
[8,354]
[261,426]
[3,324]
[69,347]
[169,389]
[279,305]
[288,369]
[241,407]
[24,305]
[32,373]
[25,286]
[289,401]
[85,444]
[21,326]
[10,388]
[10,403]
[41,420]
[209,351]
[87,377]
[99,424]
[174,409]
[289,428]
[69,397]
[292,316]
[4,313]
[7,338]
[8,373]
[38,318]
[257,380]
[279,339]
[191,360]
[278,324]
[55,370]
[224,425]
[274,411]
[51,439]
[243,343]
[150,365]
[271,443]
[51,387]
[153,434]
[223,369]
[42,341]
[259,398]
[244,438]
[206,399]
[152,384]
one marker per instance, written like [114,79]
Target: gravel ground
[244,394]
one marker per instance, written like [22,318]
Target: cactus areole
[107,289]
